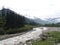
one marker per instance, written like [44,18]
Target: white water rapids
[34,34]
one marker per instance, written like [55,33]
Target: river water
[21,39]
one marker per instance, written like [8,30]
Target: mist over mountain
[46,21]
[54,20]
[32,20]
[14,19]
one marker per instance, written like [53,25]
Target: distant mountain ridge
[11,15]
[47,21]
[54,20]
[35,19]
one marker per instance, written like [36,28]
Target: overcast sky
[37,8]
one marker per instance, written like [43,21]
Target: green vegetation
[16,30]
[52,38]
[26,27]
[52,25]
[46,42]
[2,21]
[11,22]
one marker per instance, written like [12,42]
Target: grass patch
[53,38]
[46,42]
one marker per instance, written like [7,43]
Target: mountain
[29,20]
[54,20]
[0,12]
[13,19]
[39,21]
[47,21]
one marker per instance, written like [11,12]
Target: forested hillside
[11,22]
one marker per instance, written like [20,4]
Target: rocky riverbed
[22,39]
[25,38]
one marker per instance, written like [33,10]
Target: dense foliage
[11,22]
[13,19]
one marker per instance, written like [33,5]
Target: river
[21,39]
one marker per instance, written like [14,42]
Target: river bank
[15,32]
[32,35]
[50,37]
